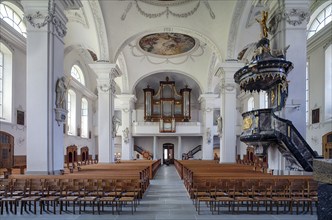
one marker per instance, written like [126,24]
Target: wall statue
[61,93]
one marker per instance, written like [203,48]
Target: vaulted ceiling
[113,30]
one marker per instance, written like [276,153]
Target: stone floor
[166,198]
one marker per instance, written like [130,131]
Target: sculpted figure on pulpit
[262,22]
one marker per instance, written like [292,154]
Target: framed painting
[20,117]
[315,116]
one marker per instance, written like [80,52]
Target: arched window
[251,103]
[71,117]
[84,118]
[328,83]
[6,60]
[320,18]
[266,100]
[263,99]
[13,16]
[77,74]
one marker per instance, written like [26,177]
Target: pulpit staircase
[269,130]
[191,153]
[146,154]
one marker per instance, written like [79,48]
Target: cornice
[11,37]
[319,39]
[79,87]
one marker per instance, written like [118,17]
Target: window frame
[13,13]
[321,23]
[77,73]
[71,117]
[84,118]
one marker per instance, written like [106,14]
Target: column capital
[226,72]
[296,13]
[207,97]
[207,102]
[127,98]
[106,73]
[42,14]
[228,68]
[106,70]
[127,101]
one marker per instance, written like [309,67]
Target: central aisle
[166,197]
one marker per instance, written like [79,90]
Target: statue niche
[167,105]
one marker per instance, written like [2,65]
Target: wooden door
[327,145]
[6,150]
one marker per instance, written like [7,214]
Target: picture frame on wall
[20,117]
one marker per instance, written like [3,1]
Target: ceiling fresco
[167,44]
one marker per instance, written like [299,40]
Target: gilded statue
[262,22]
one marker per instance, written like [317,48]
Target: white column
[179,148]
[207,104]
[46,28]
[155,148]
[293,32]
[228,112]
[127,105]
[106,73]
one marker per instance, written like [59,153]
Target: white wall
[317,45]
[18,98]
[188,143]
[74,55]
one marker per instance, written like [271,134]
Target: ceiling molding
[72,4]
[11,37]
[100,30]
[78,16]
[167,9]
[165,3]
[234,28]
[121,61]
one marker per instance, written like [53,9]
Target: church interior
[101,100]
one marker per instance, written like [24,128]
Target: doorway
[168,153]
[6,150]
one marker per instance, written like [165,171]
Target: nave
[166,198]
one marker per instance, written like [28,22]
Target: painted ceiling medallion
[167,44]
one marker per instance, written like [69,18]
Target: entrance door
[168,153]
